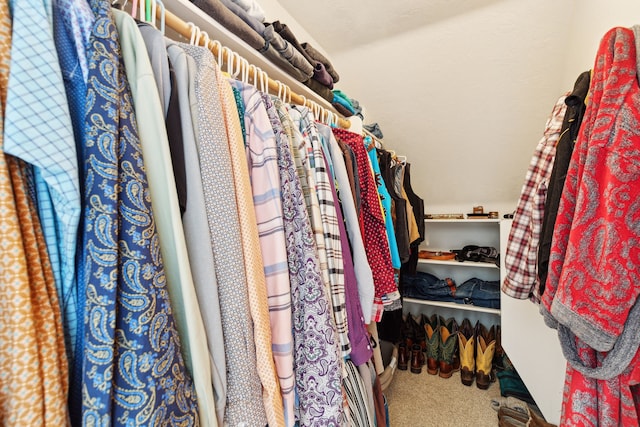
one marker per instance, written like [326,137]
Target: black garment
[176,145]
[417,203]
[569,134]
[398,205]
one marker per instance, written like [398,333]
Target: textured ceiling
[343,25]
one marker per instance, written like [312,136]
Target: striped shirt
[521,259]
[331,231]
[262,156]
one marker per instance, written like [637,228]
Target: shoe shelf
[455,263]
[453,305]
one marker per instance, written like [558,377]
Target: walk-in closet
[284,213]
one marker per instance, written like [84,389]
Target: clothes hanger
[265,82]
[117,5]
[157,3]
[134,8]
[205,39]
[192,30]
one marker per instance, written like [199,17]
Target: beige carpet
[423,400]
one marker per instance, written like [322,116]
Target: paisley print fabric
[316,355]
[592,287]
[133,372]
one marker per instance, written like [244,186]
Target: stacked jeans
[481,293]
[423,285]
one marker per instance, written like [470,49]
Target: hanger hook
[206,38]
[162,14]
[245,70]
[195,31]
[216,47]
[265,82]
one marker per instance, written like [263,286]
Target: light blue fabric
[38,130]
[385,198]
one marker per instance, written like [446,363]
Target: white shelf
[465,221]
[455,263]
[453,305]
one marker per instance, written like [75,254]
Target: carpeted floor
[423,400]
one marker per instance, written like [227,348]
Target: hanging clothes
[362,270]
[564,148]
[34,369]
[128,320]
[377,248]
[196,228]
[164,198]
[243,383]
[591,294]
[318,369]
[520,260]
[38,130]
[261,156]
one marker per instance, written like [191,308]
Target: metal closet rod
[276,87]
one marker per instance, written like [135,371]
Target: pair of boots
[441,345]
[411,347]
[477,350]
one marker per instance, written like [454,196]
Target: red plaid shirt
[521,260]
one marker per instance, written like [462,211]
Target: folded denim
[426,286]
[479,292]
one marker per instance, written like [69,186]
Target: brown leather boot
[467,350]
[416,359]
[403,356]
[485,349]
[449,360]
[489,336]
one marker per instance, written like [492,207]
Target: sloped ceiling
[342,25]
[462,88]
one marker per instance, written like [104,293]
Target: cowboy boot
[448,347]
[452,326]
[466,345]
[489,336]
[420,336]
[408,333]
[432,334]
[416,359]
[485,350]
[403,356]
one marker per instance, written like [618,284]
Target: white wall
[466,98]
[591,20]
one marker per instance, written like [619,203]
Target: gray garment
[196,229]
[364,277]
[374,129]
[257,26]
[157,50]
[252,8]
[229,20]
[288,51]
[244,388]
[315,54]
[368,374]
[615,362]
